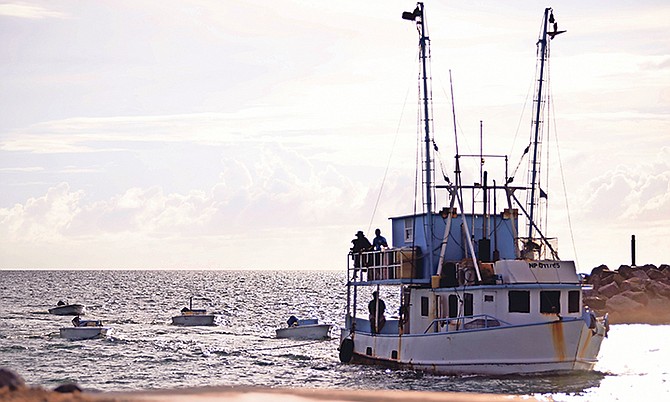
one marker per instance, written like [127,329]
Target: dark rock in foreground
[10,379]
[630,294]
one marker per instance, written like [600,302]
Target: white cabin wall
[418,323]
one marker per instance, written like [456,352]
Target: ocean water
[146,352]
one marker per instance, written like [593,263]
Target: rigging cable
[388,162]
[565,190]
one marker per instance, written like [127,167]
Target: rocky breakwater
[630,295]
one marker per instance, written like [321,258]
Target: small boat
[64,308]
[304,329]
[85,329]
[191,317]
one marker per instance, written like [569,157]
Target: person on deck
[360,244]
[75,321]
[379,241]
[376,307]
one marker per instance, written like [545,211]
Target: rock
[67,388]
[647,267]
[626,271]
[595,302]
[597,275]
[597,271]
[635,284]
[606,277]
[656,275]
[609,290]
[623,304]
[639,273]
[659,289]
[640,297]
[638,294]
[659,309]
[10,379]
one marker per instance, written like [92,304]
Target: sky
[262,135]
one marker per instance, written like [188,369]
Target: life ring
[346,350]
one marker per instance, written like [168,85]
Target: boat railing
[387,264]
[478,321]
[391,326]
[538,248]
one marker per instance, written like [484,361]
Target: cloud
[632,195]
[29,11]
[22,169]
[41,219]
[269,194]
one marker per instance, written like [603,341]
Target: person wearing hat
[376,307]
[360,244]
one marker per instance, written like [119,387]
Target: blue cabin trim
[409,230]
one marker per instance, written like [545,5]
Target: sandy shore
[238,394]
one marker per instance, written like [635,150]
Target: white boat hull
[69,309]
[78,333]
[543,347]
[195,320]
[313,331]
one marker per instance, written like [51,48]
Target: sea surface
[146,352]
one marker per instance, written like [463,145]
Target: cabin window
[550,301]
[424,306]
[453,306]
[519,301]
[467,307]
[488,298]
[573,301]
[409,230]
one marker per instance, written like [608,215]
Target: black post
[632,250]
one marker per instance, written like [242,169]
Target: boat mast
[424,42]
[542,42]
[535,191]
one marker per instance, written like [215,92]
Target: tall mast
[537,123]
[424,42]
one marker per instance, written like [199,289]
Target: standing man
[379,241]
[376,307]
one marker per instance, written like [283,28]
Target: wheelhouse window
[453,306]
[467,306]
[550,301]
[573,301]
[409,230]
[424,306]
[519,301]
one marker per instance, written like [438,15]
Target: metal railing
[479,321]
[388,264]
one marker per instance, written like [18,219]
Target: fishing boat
[85,329]
[304,329]
[64,308]
[474,295]
[195,317]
